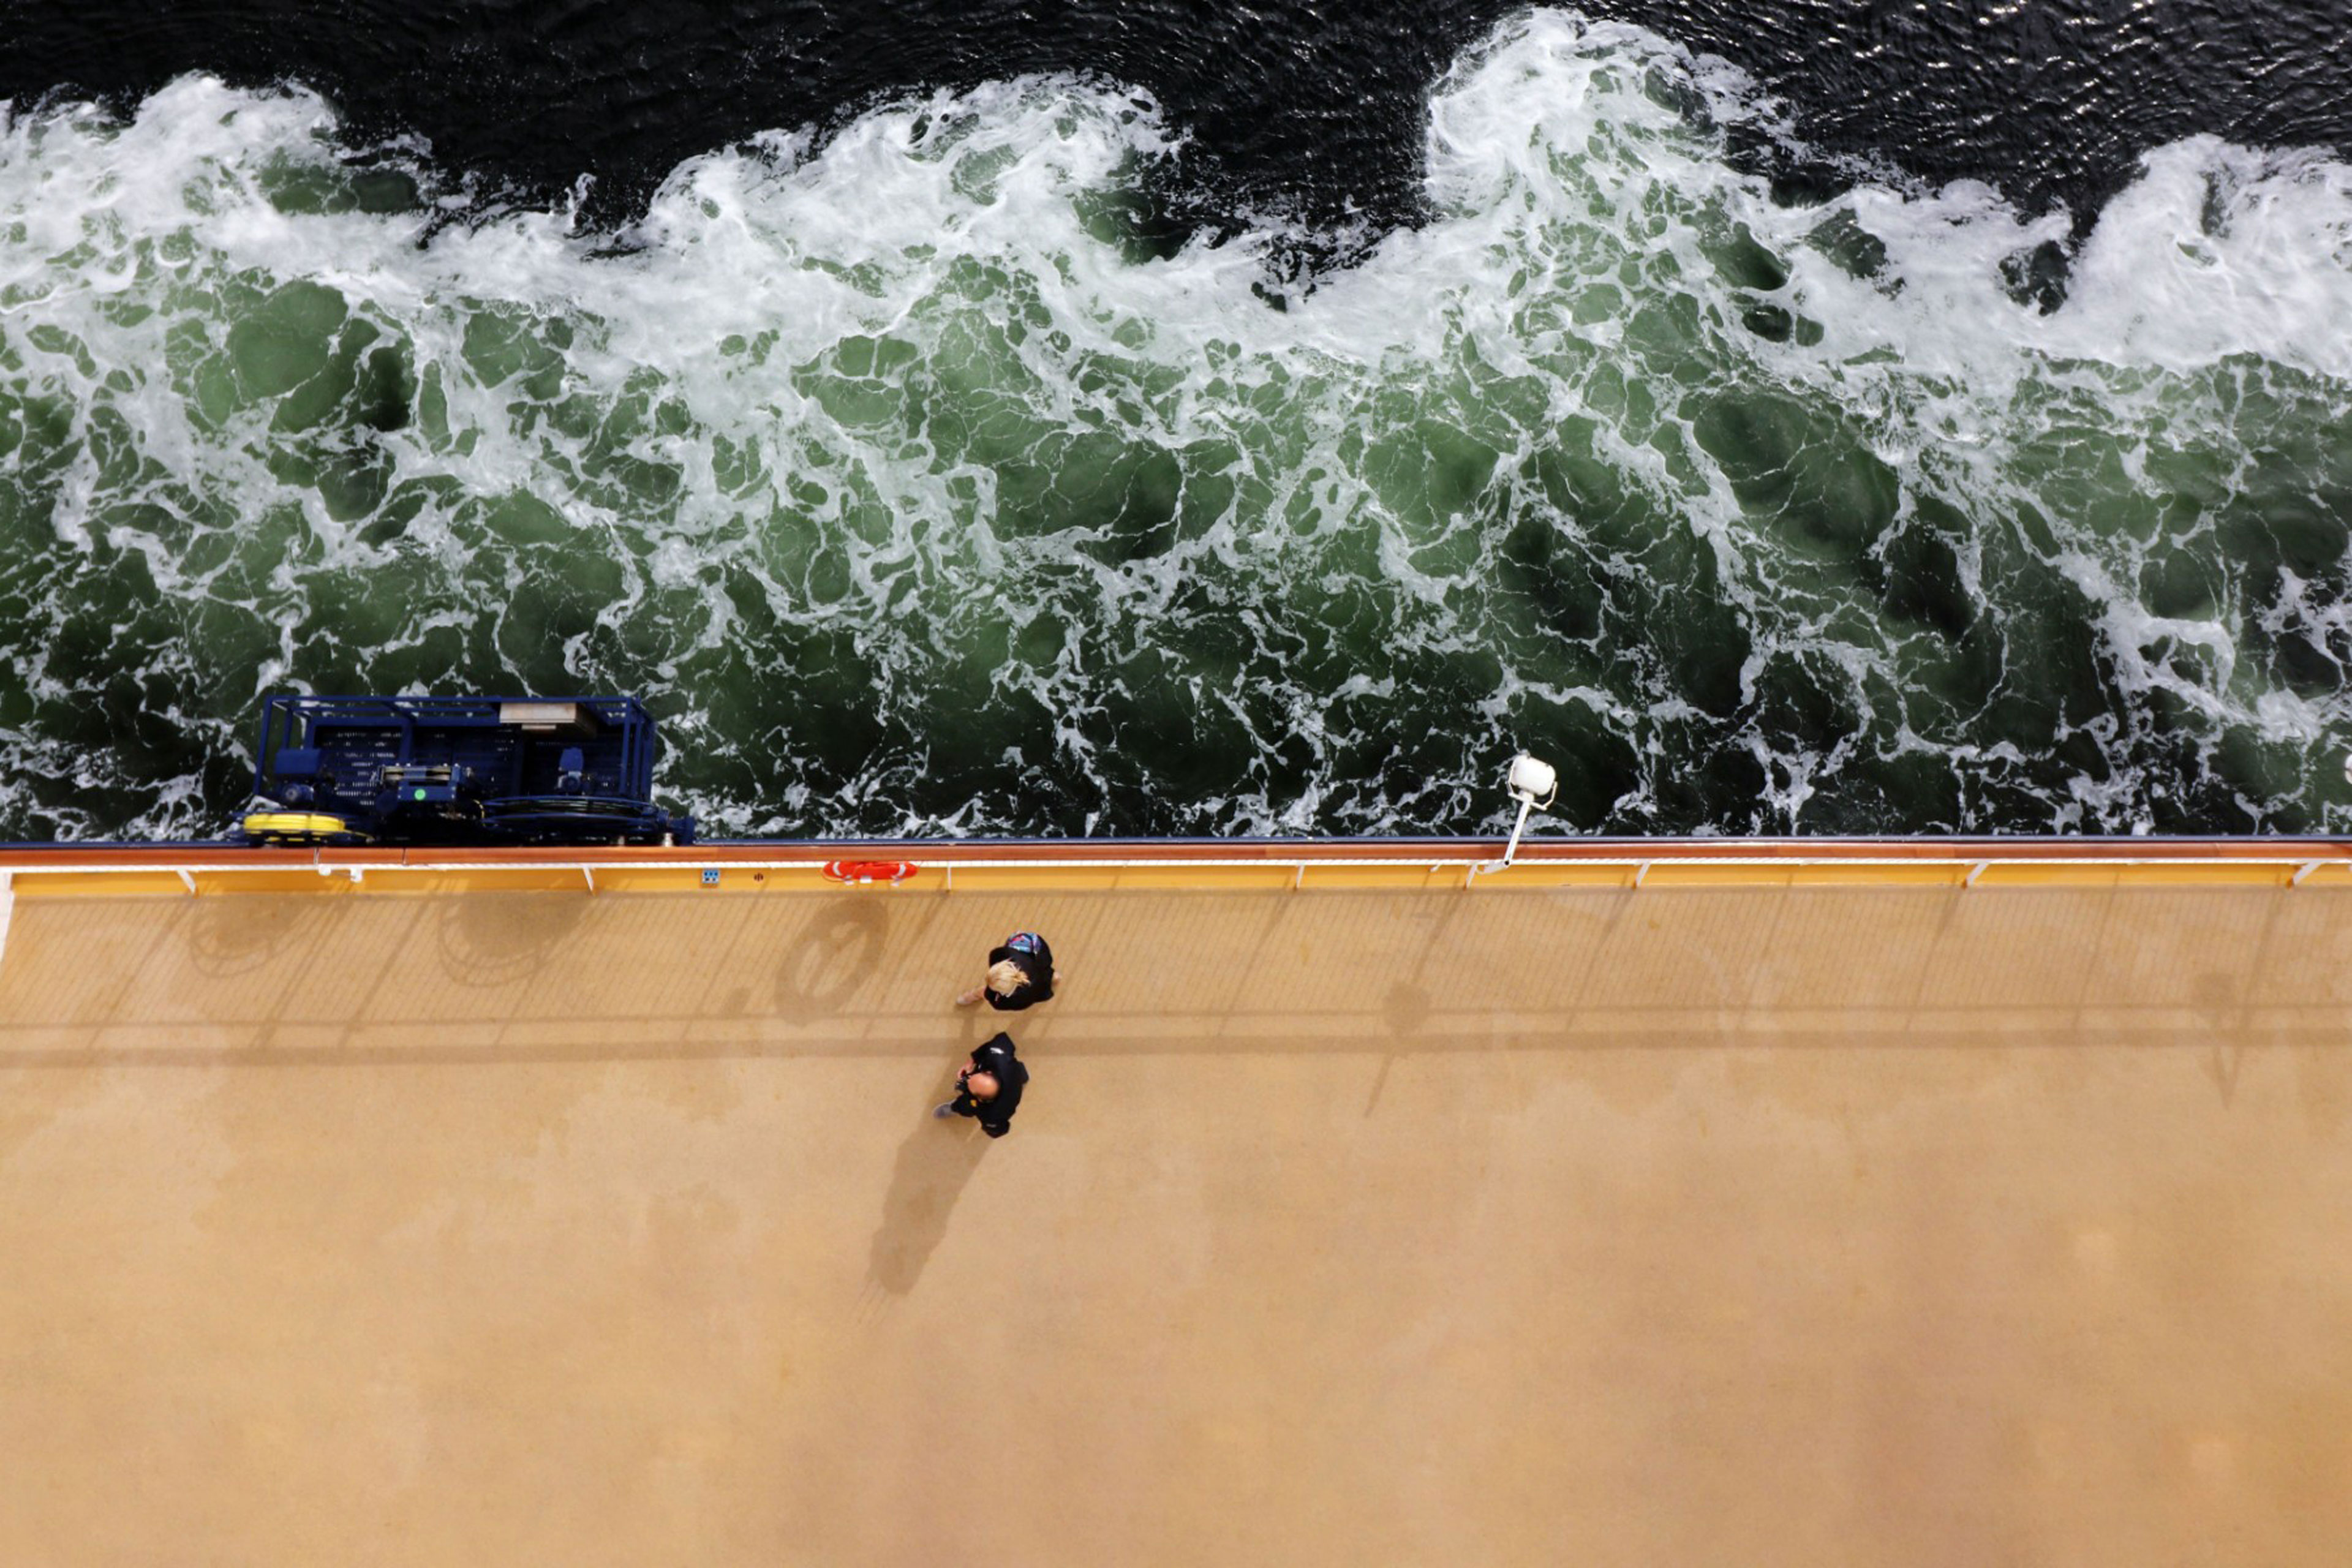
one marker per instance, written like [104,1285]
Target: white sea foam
[894,422]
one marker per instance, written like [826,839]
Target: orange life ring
[891,871]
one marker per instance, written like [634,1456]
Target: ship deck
[1756,1220]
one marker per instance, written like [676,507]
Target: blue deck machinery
[458,771]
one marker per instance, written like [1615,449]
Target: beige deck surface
[1758,1227]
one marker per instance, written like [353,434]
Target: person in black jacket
[989,1088]
[1020,973]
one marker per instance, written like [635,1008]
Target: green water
[919,491]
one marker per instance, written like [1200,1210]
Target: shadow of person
[934,1164]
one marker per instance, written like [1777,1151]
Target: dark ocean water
[1140,418]
[1320,111]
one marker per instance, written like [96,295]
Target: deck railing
[1255,863]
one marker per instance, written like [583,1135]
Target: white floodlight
[1534,783]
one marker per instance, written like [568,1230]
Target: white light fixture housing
[1533,781]
[1535,785]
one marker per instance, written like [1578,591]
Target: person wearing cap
[988,1089]
[1020,973]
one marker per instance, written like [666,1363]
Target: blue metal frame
[455,769]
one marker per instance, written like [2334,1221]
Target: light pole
[1534,784]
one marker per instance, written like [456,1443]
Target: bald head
[981,1085]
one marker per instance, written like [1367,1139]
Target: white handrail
[2301,868]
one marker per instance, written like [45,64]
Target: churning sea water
[923,485]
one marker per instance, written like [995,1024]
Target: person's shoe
[968,997]
[947,1109]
